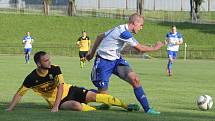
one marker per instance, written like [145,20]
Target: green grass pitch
[174,96]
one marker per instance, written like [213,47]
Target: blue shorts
[172,54]
[103,69]
[27,50]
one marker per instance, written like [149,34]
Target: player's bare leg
[140,94]
[82,62]
[71,105]
[169,67]
[76,106]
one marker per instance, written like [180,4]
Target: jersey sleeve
[32,39]
[23,40]
[27,84]
[59,75]
[180,38]
[60,79]
[108,32]
[88,38]
[22,90]
[167,36]
[128,37]
[79,39]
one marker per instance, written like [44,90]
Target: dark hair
[173,26]
[37,56]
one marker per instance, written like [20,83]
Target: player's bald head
[135,18]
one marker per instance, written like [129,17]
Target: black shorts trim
[82,54]
[75,93]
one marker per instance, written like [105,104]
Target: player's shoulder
[122,27]
[169,33]
[87,37]
[55,66]
[178,33]
[25,37]
[32,74]
[55,69]
[30,78]
[125,34]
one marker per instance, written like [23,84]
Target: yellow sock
[81,64]
[110,100]
[86,107]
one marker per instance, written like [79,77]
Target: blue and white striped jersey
[114,41]
[28,41]
[172,38]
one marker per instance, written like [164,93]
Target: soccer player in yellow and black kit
[47,81]
[84,46]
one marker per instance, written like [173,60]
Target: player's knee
[91,96]
[72,105]
[171,60]
[77,106]
[82,59]
[135,81]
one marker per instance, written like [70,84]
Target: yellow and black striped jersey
[45,85]
[84,43]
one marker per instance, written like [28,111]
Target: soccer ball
[205,102]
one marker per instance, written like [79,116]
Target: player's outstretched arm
[95,46]
[14,101]
[145,48]
[58,98]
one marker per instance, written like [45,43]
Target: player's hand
[89,57]
[178,42]
[158,45]
[8,110]
[165,42]
[54,109]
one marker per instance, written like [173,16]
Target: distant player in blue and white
[173,40]
[27,42]
[109,60]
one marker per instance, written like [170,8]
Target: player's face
[173,30]
[138,25]
[84,34]
[45,62]
[28,33]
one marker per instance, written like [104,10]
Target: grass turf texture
[58,34]
[174,96]
[64,30]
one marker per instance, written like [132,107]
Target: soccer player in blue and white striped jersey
[173,40]
[27,42]
[109,60]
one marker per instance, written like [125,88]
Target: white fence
[167,5]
